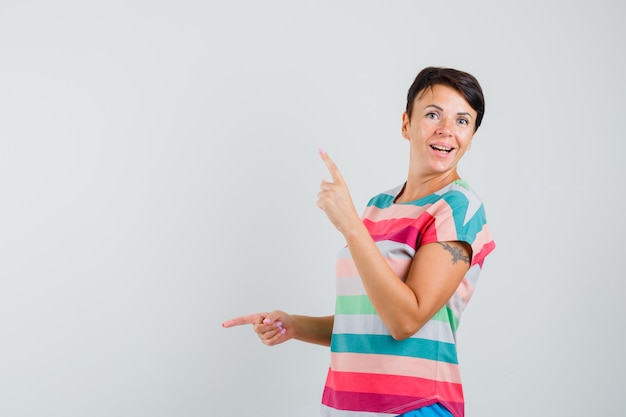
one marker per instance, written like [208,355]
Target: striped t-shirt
[371,374]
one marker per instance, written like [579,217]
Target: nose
[444,128]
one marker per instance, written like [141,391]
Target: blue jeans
[435,410]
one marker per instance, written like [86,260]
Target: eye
[464,122]
[431,115]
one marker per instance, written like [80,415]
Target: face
[440,130]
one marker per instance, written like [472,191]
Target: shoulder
[459,195]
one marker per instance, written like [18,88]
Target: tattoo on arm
[457,253]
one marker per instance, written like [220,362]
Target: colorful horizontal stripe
[361,304]
[438,328]
[387,345]
[395,365]
[391,385]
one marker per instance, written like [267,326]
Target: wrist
[354,231]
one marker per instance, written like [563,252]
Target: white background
[159,172]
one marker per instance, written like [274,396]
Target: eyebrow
[440,109]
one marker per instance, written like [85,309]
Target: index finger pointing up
[332,168]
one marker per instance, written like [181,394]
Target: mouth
[441,148]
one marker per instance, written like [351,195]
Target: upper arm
[436,272]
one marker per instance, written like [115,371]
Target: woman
[408,270]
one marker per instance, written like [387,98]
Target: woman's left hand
[334,198]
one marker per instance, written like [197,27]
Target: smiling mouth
[441,148]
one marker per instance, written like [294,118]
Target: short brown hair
[466,84]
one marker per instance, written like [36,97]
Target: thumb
[273,317]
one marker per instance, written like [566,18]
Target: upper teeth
[441,148]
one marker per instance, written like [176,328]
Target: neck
[418,187]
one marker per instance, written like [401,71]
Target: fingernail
[279,324]
[267,321]
[283,331]
[322,151]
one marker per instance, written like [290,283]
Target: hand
[272,328]
[334,198]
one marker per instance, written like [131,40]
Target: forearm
[317,330]
[394,301]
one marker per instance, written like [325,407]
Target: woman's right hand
[272,328]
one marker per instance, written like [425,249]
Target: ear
[405,126]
